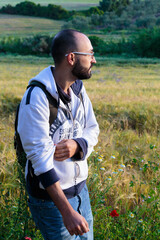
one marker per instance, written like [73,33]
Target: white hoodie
[39,138]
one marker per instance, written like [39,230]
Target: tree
[8,9]
[26,8]
[105,5]
[113,5]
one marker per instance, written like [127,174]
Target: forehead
[83,43]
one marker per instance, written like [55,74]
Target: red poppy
[114,214]
[27,238]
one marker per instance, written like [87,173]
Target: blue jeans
[49,220]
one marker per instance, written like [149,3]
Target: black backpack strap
[29,95]
[16,119]
[53,104]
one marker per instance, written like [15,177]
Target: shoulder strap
[16,119]
[53,104]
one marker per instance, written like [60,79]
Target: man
[56,169]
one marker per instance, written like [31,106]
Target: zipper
[76,165]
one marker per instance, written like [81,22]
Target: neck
[63,78]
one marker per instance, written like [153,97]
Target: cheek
[86,63]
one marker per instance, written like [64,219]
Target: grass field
[13,25]
[123,169]
[70,5]
[23,26]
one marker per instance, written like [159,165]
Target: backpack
[53,107]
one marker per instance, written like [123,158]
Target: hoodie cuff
[81,155]
[48,178]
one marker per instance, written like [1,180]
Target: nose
[94,59]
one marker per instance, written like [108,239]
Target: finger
[61,147]
[71,233]
[57,158]
[77,231]
[60,159]
[81,229]
[61,151]
[85,227]
[60,154]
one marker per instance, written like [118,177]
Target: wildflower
[122,165]
[140,221]
[113,157]
[131,215]
[114,172]
[99,159]
[142,160]
[109,178]
[95,175]
[114,214]
[28,238]
[149,197]
[102,168]
[140,168]
[120,170]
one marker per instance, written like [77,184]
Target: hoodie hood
[77,87]
[46,77]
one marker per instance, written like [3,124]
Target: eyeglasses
[82,53]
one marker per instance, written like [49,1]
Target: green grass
[124,169]
[23,26]
[13,25]
[69,5]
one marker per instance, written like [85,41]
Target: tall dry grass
[123,169]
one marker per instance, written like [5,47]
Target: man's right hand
[75,223]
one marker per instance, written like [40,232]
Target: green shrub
[145,22]
[90,11]
[80,23]
[36,45]
[99,45]
[147,43]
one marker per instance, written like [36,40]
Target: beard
[81,72]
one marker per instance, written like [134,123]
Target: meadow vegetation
[144,44]
[108,16]
[122,14]
[124,167]
[22,26]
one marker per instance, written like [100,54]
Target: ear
[71,58]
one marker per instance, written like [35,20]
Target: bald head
[83,43]
[65,42]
